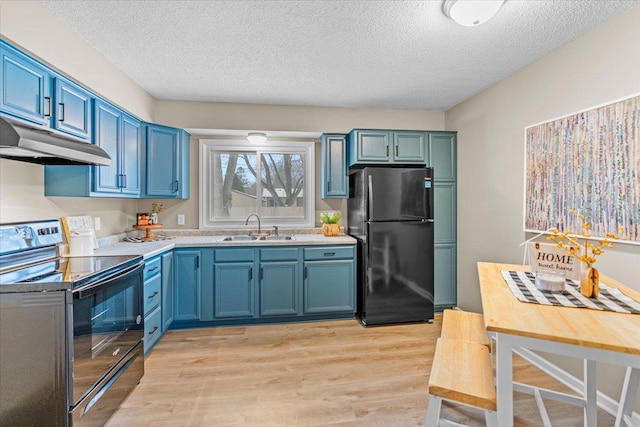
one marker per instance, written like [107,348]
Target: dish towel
[523,287]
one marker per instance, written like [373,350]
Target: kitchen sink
[238,238]
[279,238]
[244,238]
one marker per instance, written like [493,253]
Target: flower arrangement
[157,208]
[330,226]
[330,218]
[587,251]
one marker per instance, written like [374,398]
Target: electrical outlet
[180,219]
[96,223]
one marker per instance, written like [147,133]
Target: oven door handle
[91,288]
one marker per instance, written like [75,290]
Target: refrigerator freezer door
[398,282]
[399,194]
[356,206]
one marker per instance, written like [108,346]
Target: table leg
[628,395]
[504,379]
[590,394]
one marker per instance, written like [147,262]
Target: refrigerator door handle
[370,195]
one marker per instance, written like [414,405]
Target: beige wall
[598,67]
[208,115]
[32,26]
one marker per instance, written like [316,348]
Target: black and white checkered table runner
[523,287]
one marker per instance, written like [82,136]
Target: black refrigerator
[390,213]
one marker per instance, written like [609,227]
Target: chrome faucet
[247,221]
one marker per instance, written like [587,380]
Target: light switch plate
[96,223]
[180,219]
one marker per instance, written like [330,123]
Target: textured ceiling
[365,54]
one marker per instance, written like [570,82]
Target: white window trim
[206,146]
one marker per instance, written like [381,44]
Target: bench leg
[491,418]
[433,411]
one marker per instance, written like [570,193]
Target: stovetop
[64,273]
[29,260]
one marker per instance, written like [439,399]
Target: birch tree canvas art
[590,162]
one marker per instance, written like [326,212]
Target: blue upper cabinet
[334,166]
[34,93]
[166,163]
[409,147]
[26,87]
[387,147]
[120,135]
[442,148]
[72,109]
[369,146]
[108,121]
[131,151]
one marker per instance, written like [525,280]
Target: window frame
[209,146]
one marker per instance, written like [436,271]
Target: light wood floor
[306,374]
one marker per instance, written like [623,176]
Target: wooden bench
[464,326]
[461,373]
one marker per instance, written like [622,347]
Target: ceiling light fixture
[257,137]
[471,12]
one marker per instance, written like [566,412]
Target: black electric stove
[29,260]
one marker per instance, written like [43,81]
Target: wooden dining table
[591,335]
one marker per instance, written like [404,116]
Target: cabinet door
[278,288]
[445,212]
[329,286]
[334,167]
[445,292]
[372,146]
[26,87]
[409,147]
[107,136]
[188,284]
[130,159]
[72,109]
[442,155]
[167,290]
[234,290]
[162,162]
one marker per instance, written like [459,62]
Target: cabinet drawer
[279,254]
[152,329]
[330,252]
[233,255]
[151,268]
[152,293]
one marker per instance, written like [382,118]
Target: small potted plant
[330,223]
[155,210]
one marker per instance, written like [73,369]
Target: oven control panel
[29,235]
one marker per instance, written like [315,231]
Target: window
[273,180]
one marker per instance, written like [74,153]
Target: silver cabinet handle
[61,118]
[48,113]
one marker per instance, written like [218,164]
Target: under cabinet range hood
[18,142]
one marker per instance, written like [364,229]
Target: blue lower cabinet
[187,280]
[445,275]
[152,329]
[168,290]
[243,285]
[278,288]
[234,290]
[329,286]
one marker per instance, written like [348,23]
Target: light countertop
[151,249]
